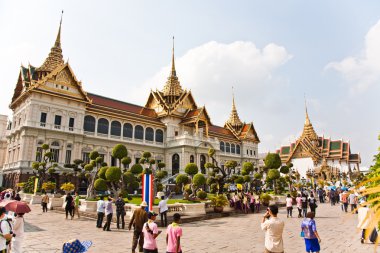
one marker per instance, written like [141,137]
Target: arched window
[139,132]
[159,136]
[222,146]
[54,148]
[233,148]
[103,126]
[227,147]
[149,134]
[203,161]
[238,149]
[192,159]
[175,164]
[127,130]
[115,128]
[89,124]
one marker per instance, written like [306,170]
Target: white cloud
[364,70]
[211,69]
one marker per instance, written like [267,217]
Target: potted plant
[265,198]
[67,187]
[48,186]
[219,202]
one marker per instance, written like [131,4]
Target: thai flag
[147,191]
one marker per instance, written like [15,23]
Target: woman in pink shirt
[289,206]
[299,205]
[173,235]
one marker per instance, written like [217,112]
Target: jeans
[99,220]
[304,212]
[164,219]
[289,211]
[108,222]
[299,212]
[150,251]
[118,217]
[345,206]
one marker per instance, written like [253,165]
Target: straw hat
[144,204]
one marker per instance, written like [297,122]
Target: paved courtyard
[47,232]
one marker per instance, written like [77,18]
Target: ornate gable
[62,81]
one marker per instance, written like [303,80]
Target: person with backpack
[6,231]
[364,219]
[312,203]
[69,208]
[345,200]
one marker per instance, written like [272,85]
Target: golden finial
[173,63]
[55,57]
[307,120]
[234,119]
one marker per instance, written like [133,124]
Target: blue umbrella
[344,188]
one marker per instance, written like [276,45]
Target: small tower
[234,120]
[308,129]
[172,89]
[55,57]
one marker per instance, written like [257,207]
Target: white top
[100,206]
[289,202]
[363,220]
[18,226]
[352,198]
[5,229]
[163,205]
[273,234]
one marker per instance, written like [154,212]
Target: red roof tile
[123,106]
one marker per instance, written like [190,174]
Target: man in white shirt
[5,230]
[273,228]
[163,210]
[100,208]
[353,202]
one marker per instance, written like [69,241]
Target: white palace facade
[51,106]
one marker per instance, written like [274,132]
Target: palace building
[323,157]
[50,105]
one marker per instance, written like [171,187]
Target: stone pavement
[46,232]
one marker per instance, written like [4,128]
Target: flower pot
[218,209]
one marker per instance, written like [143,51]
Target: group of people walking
[244,201]
[302,202]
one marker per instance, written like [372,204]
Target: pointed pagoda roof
[55,57]
[234,119]
[172,88]
[308,129]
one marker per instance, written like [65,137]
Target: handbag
[302,234]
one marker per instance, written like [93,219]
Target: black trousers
[150,250]
[120,216]
[44,207]
[164,219]
[108,222]
[99,221]
[69,210]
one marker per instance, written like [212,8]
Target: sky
[273,54]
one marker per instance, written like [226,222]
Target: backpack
[373,236]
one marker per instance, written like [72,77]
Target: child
[150,232]
[173,235]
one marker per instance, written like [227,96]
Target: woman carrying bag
[310,234]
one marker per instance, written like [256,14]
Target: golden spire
[174,73]
[234,119]
[308,129]
[55,57]
[172,89]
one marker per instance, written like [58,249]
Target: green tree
[272,161]
[181,180]
[119,152]
[41,167]
[191,169]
